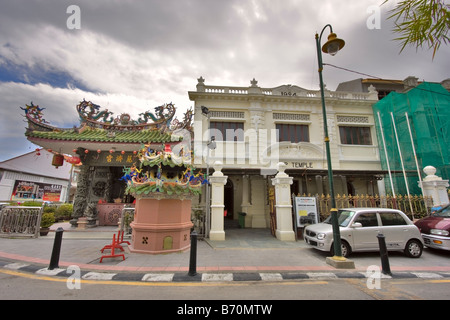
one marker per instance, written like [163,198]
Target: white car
[359,228]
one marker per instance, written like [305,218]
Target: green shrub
[49,209]
[64,211]
[32,204]
[47,219]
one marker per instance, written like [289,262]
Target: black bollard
[386,269]
[193,257]
[54,261]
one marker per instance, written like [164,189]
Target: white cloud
[136,55]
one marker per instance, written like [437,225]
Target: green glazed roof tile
[100,135]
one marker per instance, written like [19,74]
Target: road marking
[217,277]
[16,265]
[271,277]
[156,277]
[98,276]
[48,272]
[427,275]
[162,284]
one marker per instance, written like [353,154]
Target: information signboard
[305,211]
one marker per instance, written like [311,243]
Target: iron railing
[20,221]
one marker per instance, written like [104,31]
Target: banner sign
[305,211]
[27,190]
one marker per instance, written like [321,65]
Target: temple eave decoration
[163,171]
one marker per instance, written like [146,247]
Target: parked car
[435,229]
[359,228]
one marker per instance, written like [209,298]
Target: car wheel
[414,248]
[345,249]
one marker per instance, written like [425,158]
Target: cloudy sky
[131,56]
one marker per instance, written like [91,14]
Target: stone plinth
[82,223]
[162,224]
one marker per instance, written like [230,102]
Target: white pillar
[283,204]
[434,186]
[218,181]
[245,194]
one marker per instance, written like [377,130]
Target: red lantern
[167,148]
[74,150]
[73,160]
[134,152]
[98,151]
[58,160]
[123,152]
[111,151]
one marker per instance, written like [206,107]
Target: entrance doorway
[228,201]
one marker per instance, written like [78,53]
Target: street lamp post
[332,46]
[211,144]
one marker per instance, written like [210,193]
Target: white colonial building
[255,128]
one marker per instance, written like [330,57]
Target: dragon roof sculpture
[90,115]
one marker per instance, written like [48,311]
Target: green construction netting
[426,109]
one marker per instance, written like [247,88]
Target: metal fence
[415,207]
[20,221]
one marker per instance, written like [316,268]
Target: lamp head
[205,110]
[333,45]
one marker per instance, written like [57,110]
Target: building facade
[31,177]
[251,129]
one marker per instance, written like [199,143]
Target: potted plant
[48,218]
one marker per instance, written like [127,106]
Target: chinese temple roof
[99,130]
[102,135]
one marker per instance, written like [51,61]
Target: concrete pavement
[245,255]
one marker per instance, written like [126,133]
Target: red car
[435,229]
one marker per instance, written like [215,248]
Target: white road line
[218,277]
[98,276]
[427,275]
[47,272]
[271,276]
[16,265]
[158,277]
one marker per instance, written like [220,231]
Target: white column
[245,194]
[218,181]
[283,204]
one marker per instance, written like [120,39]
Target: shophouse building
[251,129]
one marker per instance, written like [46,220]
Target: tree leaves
[421,23]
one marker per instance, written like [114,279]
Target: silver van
[359,228]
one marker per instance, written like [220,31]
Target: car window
[444,212]
[392,219]
[367,219]
[343,216]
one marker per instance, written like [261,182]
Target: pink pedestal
[161,225]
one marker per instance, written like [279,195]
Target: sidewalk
[246,254]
